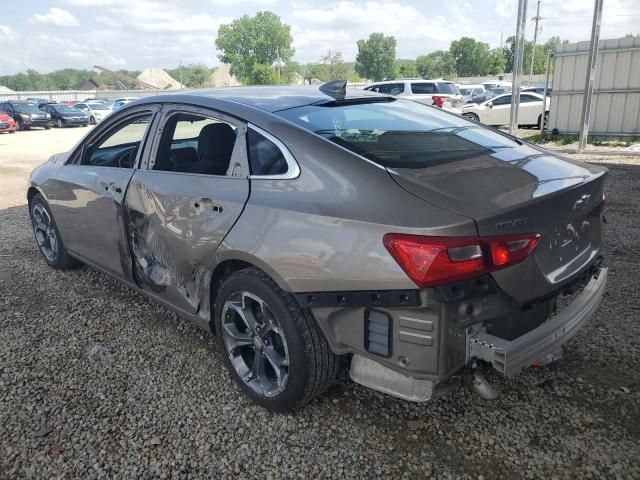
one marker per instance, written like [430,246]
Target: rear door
[182,203]
[91,188]
[529,110]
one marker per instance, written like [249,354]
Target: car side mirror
[490,104]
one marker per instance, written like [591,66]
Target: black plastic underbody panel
[371,298]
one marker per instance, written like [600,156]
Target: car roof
[274,98]
[421,80]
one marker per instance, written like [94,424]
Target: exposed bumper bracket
[542,343]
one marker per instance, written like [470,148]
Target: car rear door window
[120,147]
[193,143]
[265,157]
[447,88]
[504,100]
[390,88]
[423,88]
[529,98]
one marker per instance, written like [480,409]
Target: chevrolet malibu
[306,228]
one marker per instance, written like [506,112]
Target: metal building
[615,106]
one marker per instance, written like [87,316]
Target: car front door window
[119,148]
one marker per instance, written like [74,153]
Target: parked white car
[97,111]
[496,110]
[439,93]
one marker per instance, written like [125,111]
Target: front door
[500,111]
[184,201]
[91,190]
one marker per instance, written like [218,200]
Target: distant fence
[615,108]
[81,95]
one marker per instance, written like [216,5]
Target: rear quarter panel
[323,230]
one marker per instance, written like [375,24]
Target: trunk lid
[522,190]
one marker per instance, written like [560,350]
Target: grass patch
[562,140]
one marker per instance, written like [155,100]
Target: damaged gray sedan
[303,226]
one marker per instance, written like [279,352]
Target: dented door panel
[176,222]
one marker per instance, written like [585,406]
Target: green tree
[199,75]
[540,59]
[262,74]
[497,62]
[471,57]
[376,57]
[335,68]
[251,41]
[438,64]
[406,68]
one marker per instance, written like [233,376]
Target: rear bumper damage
[420,370]
[542,344]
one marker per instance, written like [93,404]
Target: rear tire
[546,121]
[277,331]
[48,236]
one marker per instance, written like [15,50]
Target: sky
[135,34]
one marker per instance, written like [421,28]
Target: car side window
[391,88]
[265,158]
[120,147]
[528,98]
[194,143]
[422,88]
[506,100]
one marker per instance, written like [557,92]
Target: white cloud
[56,17]
[506,8]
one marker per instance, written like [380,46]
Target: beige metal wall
[615,108]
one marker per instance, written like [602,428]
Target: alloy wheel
[45,232]
[255,343]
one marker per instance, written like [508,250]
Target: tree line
[193,76]
[260,52]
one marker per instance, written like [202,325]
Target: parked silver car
[304,225]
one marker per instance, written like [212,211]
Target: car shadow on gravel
[96,380]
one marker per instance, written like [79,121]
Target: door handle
[111,187]
[206,204]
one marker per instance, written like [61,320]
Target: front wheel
[92,121]
[471,116]
[274,350]
[59,123]
[48,236]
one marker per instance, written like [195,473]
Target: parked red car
[6,123]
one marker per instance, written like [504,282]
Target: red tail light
[431,261]
[438,101]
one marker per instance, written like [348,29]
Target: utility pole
[180,67]
[591,75]
[537,18]
[517,66]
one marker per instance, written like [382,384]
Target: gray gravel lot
[98,382]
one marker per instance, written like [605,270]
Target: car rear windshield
[398,133]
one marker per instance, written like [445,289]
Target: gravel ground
[98,382]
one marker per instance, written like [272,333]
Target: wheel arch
[230,262]
[32,192]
